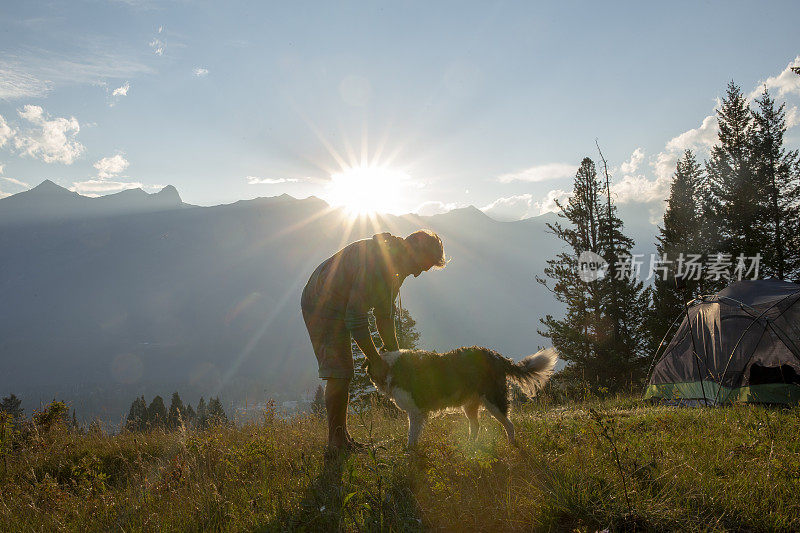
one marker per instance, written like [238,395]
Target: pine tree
[572,336]
[601,335]
[190,418]
[216,413]
[678,240]
[777,173]
[318,404]
[176,412]
[201,421]
[137,415]
[156,413]
[13,406]
[736,197]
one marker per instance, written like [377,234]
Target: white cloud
[548,203]
[34,73]
[699,139]
[524,206]
[15,182]
[6,132]
[94,186]
[110,166]
[792,117]
[200,72]
[434,208]
[15,84]
[637,188]
[121,91]
[787,82]
[632,165]
[511,207]
[53,140]
[255,180]
[549,171]
[157,45]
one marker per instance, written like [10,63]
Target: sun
[367,189]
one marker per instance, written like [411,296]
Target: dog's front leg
[415,422]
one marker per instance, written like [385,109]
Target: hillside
[585,466]
[108,298]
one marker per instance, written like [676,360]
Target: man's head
[424,251]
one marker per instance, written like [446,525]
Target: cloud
[94,186]
[699,139]
[15,84]
[200,72]
[548,203]
[255,180]
[632,165]
[638,188]
[109,167]
[549,171]
[33,73]
[6,132]
[53,140]
[792,117]
[121,91]
[15,182]
[524,206]
[511,207]
[787,82]
[434,207]
[158,46]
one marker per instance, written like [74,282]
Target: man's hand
[387,332]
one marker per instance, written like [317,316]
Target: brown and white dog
[421,382]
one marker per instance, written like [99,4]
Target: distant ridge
[49,202]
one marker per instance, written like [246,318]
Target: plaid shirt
[350,283]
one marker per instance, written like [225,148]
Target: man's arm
[364,341]
[387,332]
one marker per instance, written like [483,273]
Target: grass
[616,465]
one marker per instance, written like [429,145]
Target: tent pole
[680,284]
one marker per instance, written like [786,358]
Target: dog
[421,382]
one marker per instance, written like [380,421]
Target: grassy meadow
[614,464]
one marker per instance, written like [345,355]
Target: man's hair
[426,248]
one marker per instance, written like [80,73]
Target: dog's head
[378,370]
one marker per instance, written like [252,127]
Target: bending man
[363,275]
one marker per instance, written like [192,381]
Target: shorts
[331,341]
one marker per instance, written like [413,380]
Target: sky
[441,104]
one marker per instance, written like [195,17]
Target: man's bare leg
[336,399]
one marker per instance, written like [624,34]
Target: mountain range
[104,299]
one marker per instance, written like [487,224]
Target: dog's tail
[533,372]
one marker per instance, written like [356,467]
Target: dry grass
[708,469]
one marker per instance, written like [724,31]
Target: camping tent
[739,345]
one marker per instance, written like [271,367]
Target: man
[363,275]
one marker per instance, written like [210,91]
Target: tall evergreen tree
[777,173]
[176,412]
[156,413]
[201,422]
[735,201]
[13,406]
[137,415]
[216,413]
[679,239]
[601,334]
[318,404]
[191,416]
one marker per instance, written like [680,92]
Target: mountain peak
[169,193]
[49,187]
